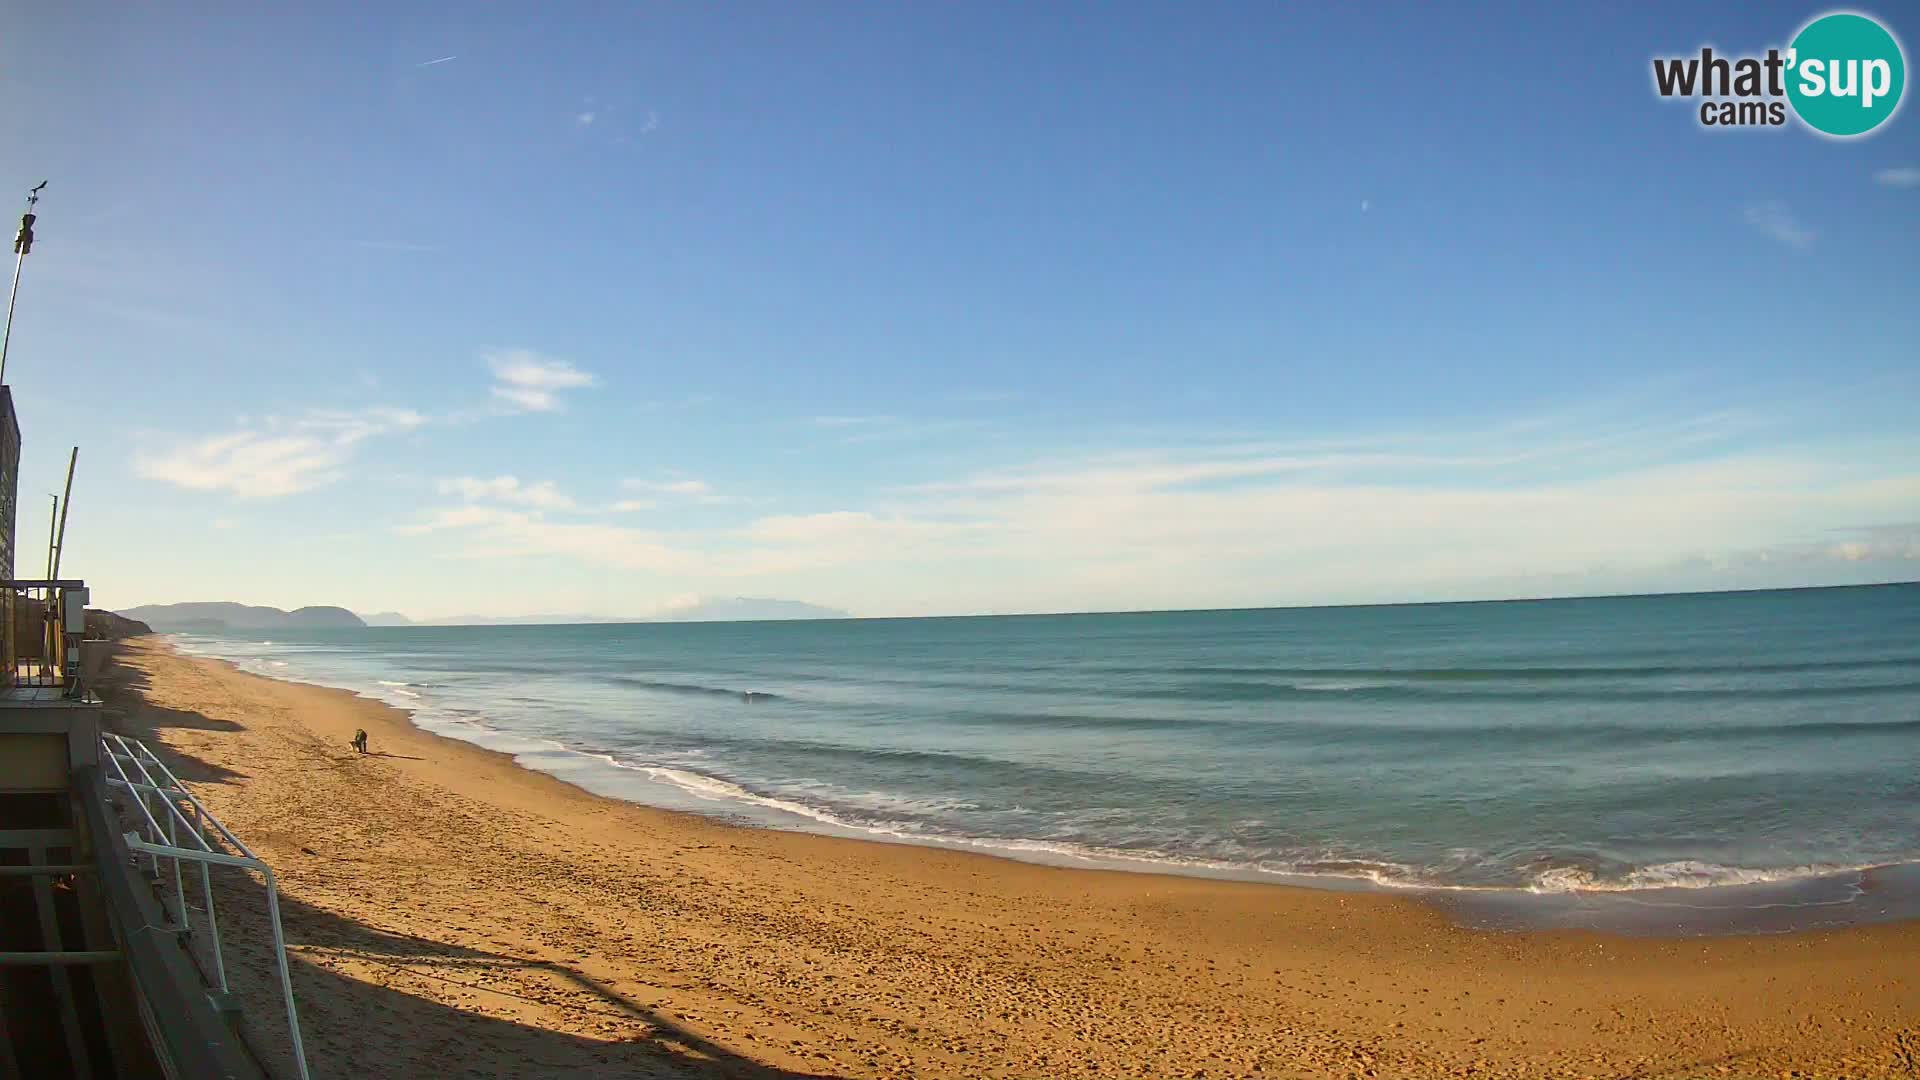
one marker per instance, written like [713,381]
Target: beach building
[111,961]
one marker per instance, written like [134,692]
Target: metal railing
[43,624]
[190,839]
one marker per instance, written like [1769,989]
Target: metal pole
[66,504]
[49,632]
[286,977]
[22,244]
[19,263]
[213,921]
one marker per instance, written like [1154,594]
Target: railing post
[213,920]
[286,977]
[172,790]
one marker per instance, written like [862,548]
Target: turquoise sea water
[1570,747]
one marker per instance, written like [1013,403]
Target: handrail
[157,780]
[189,1036]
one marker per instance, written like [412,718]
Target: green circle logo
[1845,74]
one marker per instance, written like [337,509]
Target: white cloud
[489,532]
[696,490]
[276,457]
[628,506]
[584,119]
[769,546]
[508,489]
[840,526]
[1606,497]
[1777,220]
[530,382]
[462,518]
[1908,177]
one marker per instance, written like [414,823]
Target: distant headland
[226,616]
[221,616]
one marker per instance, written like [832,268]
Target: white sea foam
[1684,874]
[886,816]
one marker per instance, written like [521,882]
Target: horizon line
[623,620]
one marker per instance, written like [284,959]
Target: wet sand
[452,914]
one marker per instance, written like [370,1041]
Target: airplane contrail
[442,60]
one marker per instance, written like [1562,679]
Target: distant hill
[225,616]
[106,626]
[747,609]
[217,617]
[701,609]
[558,619]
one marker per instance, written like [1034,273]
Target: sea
[1701,763]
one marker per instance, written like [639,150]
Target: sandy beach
[452,914]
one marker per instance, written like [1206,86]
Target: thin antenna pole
[22,244]
[13,297]
[51,515]
[66,504]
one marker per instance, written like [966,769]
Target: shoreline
[1771,902]
[442,899]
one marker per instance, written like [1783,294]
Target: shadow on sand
[122,690]
[356,1026]
[369,1025]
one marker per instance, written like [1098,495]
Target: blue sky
[920,309]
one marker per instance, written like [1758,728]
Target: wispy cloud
[850,421]
[1908,177]
[508,489]
[1621,492]
[769,546]
[431,63]
[1777,220]
[496,532]
[687,488]
[584,119]
[529,382]
[276,457]
[652,125]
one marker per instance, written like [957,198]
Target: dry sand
[454,915]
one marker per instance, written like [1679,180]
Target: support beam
[77,1056]
[58,959]
[48,870]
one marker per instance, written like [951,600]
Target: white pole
[66,503]
[21,245]
[18,263]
